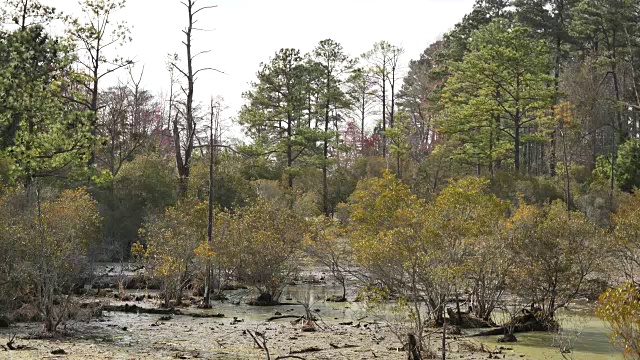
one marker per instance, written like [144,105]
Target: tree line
[503,160]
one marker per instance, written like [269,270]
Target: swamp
[344,179]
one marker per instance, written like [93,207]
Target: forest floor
[118,335]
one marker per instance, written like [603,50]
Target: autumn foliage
[620,308]
[257,245]
[45,243]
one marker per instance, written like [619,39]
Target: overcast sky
[248,32]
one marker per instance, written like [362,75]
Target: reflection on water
[291,296]
[588,335]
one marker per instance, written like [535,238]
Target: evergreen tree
[498,95]
[41,132]
[334,64]
[276,102]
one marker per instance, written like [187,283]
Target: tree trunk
[363,114]
[183,163]
[516,145]
[290,148]
[325,152]
[384,116]
[94,103]
[207,284]
[444,335]
[553,159]
[413,348]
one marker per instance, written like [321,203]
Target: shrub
[620,308]
[171,241]
[270,238]
[60,234]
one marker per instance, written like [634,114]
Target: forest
[463,204]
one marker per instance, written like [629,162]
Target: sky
[244,33]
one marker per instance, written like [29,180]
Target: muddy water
[144,336]
[330,312]
[584,333]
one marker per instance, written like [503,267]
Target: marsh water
[585,334]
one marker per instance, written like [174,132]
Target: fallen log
[126,308]
[11,346]
[467,321]
[306,350]
[346,346]
[278,317]
[527,322]
[504,330]
[491,332]
[200,315]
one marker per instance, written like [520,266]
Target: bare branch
[212,69]
[180,70]
[113,69]
[204,8]
[200,53]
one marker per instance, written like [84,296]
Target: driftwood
[307,350]
[278,317]
[142,310]
[527,322]
[200,315]
[137,309]
[346,346]
[12,347]
[261,342]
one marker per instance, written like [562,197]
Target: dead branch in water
[261,342]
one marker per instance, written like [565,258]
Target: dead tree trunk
[184,149]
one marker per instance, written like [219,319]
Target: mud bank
[120,335]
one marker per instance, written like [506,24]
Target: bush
[231,188]
[620,308]
[45,244]
[422,252]
[269,238]
[68,226]
[171,241]
[625,239]
[14,271]
[554,251]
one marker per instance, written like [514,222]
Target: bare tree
[128,117]
[184,148]
[395,52]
